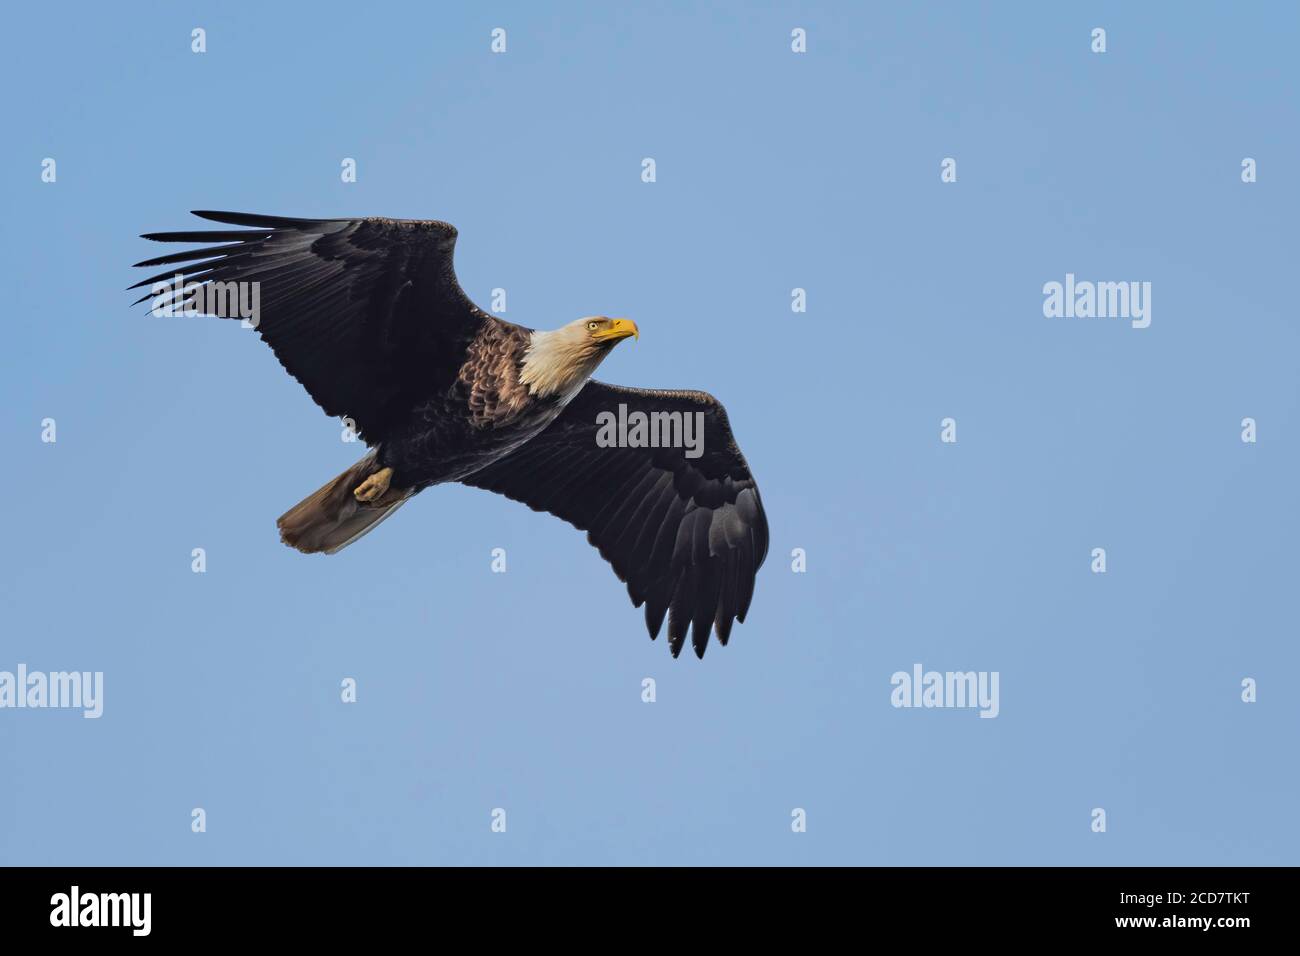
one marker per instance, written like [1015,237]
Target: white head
[561,361]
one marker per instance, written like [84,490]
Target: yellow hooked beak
[618,329]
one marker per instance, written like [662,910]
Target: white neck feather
[559,362]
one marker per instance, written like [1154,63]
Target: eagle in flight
[368,316]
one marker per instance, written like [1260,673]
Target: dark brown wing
[365,313]
[686,534]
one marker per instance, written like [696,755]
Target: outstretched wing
[686,534]
[365,313]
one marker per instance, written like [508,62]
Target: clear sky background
[775,170]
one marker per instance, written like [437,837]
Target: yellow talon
[374,487]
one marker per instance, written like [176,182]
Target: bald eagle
[368,316]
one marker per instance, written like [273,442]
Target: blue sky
[775,170]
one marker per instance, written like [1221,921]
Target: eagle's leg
[374,487]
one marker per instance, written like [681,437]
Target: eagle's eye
[592,326]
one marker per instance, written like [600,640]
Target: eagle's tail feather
[331,518]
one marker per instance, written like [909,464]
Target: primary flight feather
[367,314]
